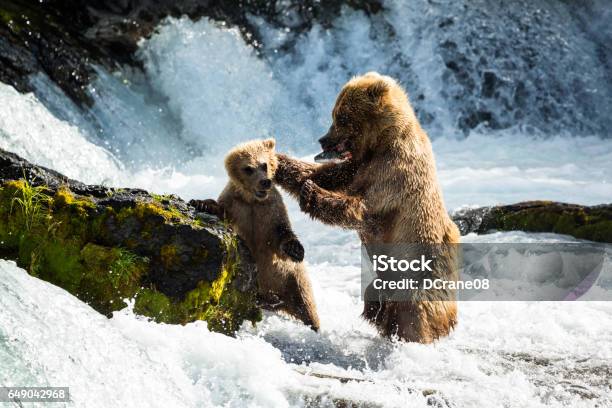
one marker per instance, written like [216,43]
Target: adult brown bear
[387,190]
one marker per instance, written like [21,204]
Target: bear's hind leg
[300,302]
[422,322]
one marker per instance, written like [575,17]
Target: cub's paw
[293,249]
[270,301]
[209,206]
[308,194]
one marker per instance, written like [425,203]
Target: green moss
[126,268]
[61,264]
[240,304]
[222,306]
[54,236]
[161,198]
[601,231]
[149,302]
[119,266]
[12,20]
[586,223]
[64,198]
[168,255]
[6,16]
[218,303]
[144,209]
[18,16]
[27,15]
[111,192]
[196,303]
[30,201]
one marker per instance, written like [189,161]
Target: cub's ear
[376,90]
[269,144]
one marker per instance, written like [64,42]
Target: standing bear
[385,187]
[255,210]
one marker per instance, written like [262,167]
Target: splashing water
[204,89]
[28,129]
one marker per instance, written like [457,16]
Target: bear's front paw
[293,249]
[269,302]
[308,194]
[209,206]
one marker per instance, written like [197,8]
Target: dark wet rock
[39,37]
[64,38]
[105,245]
[592,223]
[540,66]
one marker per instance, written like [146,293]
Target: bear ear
[376,90]
[269,144]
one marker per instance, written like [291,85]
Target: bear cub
[255,210]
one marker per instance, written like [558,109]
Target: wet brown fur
[264,226]
[388,192]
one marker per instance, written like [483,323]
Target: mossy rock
[106,246]
[591,223]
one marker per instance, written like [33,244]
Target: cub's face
[357,118]
[251,167]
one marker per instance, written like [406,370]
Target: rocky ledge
[63,38]
[107,245]
[591,223]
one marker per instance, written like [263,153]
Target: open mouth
[338,152]
[261,193]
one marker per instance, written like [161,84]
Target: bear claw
[293,249]
[306,194]
[208,206]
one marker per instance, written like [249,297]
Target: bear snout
[326,141]
[266,183]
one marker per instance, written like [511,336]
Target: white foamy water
[546,357]
[236,95]
[204,90]
[127,361]
[28,129]
[509,168]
